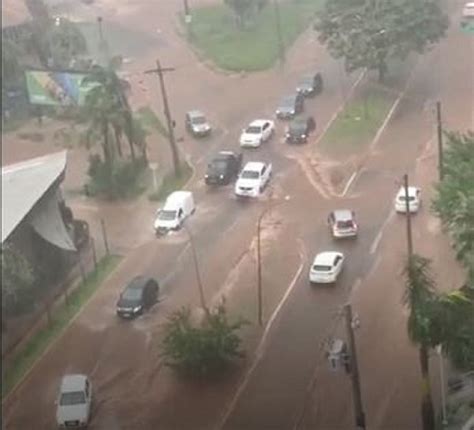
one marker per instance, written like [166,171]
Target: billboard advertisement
[54,88]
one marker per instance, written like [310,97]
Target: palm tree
[420,298]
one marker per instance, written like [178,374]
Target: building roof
[23,185]
[14,12]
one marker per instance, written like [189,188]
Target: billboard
[54,88]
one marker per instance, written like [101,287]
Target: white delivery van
[178,206]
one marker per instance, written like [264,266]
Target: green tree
[454,199]
[201,349]
[368,33]
[66,42]
[242,9]
[12,70]
[17,281]
[420,299]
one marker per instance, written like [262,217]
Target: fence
[21,329]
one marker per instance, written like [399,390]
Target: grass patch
[172,183]
[150,121]
[357,124]
[215,34]
[61,316]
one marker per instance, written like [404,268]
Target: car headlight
[287,134]
[137,309]
[303,136]
[292,112]
[221,176]
[206,176]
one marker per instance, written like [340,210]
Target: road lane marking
[259,353]
[349,183]
[378,238]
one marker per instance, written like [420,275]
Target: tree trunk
[427,411]
[382,69]
[130,132]
[118,141]
[105,144]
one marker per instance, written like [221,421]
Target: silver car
[74,402]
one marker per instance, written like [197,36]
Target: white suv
[414,200]
[74,402]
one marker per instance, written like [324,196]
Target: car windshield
[297,126]
[253,129]
[198,120]
[132,294]
[345,224]
[250,174]
[320,268]
[288,102]
[167,215]
[307,81]
[72,398]
[219,165]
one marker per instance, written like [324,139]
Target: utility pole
[170,123]
[356,392]
[408,214]
[281,48]
[440,140]
[186,8]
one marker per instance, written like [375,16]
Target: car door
[338,264]
[265,130]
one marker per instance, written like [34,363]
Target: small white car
[253,179]
[326,267]
[257,132]
[74,402]
[178,206]
[468,10]
[414,200]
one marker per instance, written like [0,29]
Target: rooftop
[23,185]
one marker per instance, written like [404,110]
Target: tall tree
[420,298]
[368,33]
[454,199]
[66,42]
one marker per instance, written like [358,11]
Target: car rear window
[320,268]
[402,198]
[72,398]
[345,224]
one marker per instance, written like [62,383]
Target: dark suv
[310,85]
[139,295]
[290,106]
[224,167]
[299,129]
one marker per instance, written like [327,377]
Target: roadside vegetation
[172,182]
[203,348]
[356,126]
[242,35]
[368,34]
[60,318]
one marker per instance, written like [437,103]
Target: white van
[178,206]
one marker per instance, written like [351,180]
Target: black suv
[310,85]
[290,106]
[299,129]
[224,167]
[140,294]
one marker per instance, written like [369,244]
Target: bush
[201,349]
[121,179]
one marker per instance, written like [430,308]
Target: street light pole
[439,128]
[186,7]
[356,391]
[196,268]
[408,214]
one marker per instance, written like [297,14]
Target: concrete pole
[408,214]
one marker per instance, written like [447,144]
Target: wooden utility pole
[170,123]
[408,214]
[439,127]
[356,391]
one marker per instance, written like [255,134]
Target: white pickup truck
[253,179]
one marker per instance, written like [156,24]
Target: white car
[253,179]
[257,132]
[326,267]
[414,200]
[74,402]
[468,10]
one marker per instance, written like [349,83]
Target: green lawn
[26,357]
[216,36]
[357,125]
[150,121]
[172,183]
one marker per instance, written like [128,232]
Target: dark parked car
[197,124]
[290,106]
[139,295]
[310,85]
[223,168]
[299,129]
